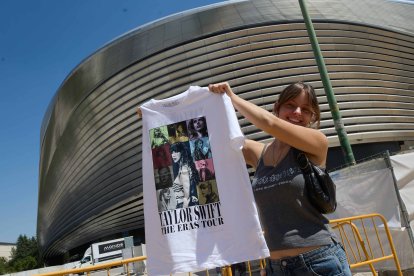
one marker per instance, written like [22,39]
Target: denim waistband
[309,256]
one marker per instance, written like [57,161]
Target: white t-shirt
[191,225]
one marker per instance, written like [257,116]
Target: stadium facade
[90,183]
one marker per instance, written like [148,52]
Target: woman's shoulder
[252,151]
[254,145]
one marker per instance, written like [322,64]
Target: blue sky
[41,42]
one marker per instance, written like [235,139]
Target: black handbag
[320,188]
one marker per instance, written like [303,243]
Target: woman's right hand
[139,112]
[222,87]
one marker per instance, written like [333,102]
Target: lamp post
[336,116]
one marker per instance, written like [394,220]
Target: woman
[159,138]
[164,178]
[298,236]
[165,200]
[204,172]
[186,176]
[206,189]
[177,132]
[197,128]
[201,151]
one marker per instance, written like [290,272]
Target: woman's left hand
[222,87]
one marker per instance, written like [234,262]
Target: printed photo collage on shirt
[183,165]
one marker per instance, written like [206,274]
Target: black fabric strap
[302,160]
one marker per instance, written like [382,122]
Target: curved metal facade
[90,183]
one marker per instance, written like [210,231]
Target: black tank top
[287,217]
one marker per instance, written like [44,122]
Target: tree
[4,266]
[25,256]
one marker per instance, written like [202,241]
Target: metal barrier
[225,271]
[105,266]
[362,237]
[369,247]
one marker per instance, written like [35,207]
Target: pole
[336,116]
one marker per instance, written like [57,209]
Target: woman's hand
[139,112]
[194,199]
[222,87]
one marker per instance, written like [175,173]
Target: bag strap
[302,160]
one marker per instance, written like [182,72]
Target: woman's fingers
[222,87]
[139,112]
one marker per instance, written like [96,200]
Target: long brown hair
[292,91]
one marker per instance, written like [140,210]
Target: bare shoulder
[252,151]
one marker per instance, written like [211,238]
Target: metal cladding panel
[90,183]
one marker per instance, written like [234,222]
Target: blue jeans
[328,260]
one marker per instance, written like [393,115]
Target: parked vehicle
[106,251]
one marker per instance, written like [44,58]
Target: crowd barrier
[105,266]
[366,240]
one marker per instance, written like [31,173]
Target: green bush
[25,256]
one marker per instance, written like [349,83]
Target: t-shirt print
[184,175]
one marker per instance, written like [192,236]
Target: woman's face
[199,124]
[204,190]
[202,164]
[199,143]
[297,110]
[157,133]
[167,193]
[180,130]
[165,175]
[176,156]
